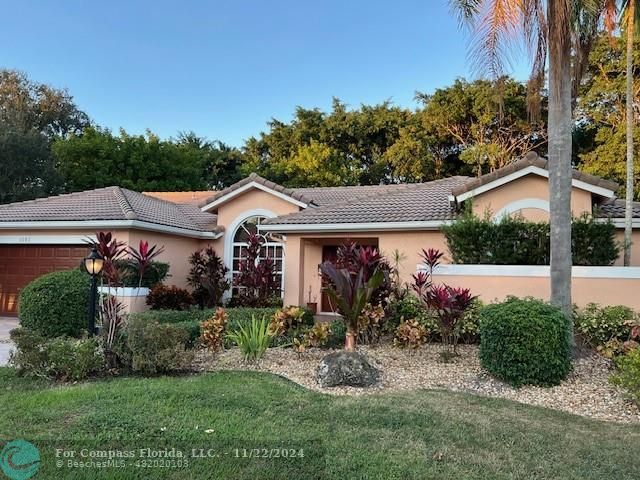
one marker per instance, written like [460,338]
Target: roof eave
[355,227]
[108,224]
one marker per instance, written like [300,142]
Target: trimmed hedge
[525,342]
[56,303]
[190,320]
[516,241]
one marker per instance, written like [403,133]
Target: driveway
[6,325]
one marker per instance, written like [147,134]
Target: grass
[424,434]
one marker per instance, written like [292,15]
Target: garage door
[19,264]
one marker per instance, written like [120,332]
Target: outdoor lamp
[93,263]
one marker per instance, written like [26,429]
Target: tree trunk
[628,213]
[560,172]
[350,340]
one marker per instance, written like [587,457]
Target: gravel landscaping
[585,392]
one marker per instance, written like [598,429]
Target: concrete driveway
[6,325]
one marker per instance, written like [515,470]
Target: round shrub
[56,303]
[525,342]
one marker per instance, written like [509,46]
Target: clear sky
[223,68]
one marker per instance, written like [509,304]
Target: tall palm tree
[551,29]
[630,22]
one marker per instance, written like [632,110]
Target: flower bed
[586,391]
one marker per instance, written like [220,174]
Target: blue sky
[224,68]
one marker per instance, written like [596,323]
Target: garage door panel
[20,264]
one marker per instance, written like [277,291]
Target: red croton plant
[117,256]
[449,304]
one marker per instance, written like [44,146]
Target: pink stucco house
[303,227]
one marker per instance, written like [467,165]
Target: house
[304,226]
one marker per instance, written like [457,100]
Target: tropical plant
[449,305]
[112,313]
[553,30]
[410,334]
[288,322]
[208,277]
[163,297]
[111,251]
[371,323]
[142,257]
[628,374]
[212,330]
[252,339]
[351,291]
[256,280]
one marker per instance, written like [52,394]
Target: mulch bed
[585,392]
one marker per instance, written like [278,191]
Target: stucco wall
[176,252]
[607,291]
[529,186]
[251,200]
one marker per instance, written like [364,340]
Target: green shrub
[252,339]
[56,304]
[155,273]
[164,297]
[60,358]
[151,347]
[337,335]
[406,308]
[600,325]
[516,241]
[237,316]
[628,375]
[525,342]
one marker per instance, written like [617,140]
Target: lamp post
[93,264]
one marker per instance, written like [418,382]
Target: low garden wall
[604,285]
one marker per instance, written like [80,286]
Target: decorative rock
[346,368]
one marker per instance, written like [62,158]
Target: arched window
[273,250]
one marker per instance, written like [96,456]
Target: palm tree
[630,22]
[551,29]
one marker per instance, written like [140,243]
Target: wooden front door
[20,264]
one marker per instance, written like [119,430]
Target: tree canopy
[600,112]
[32,116]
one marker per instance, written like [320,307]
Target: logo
[20,460]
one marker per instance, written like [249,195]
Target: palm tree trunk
[628,213]
[560,174]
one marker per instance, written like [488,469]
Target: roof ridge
[127,209]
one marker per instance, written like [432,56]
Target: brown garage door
[19,264]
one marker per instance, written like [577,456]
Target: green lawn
[422,435]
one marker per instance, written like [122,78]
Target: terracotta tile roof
[193,198]
[254,177]
[383,203]
[530,159]
[109,203]
[615,209]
